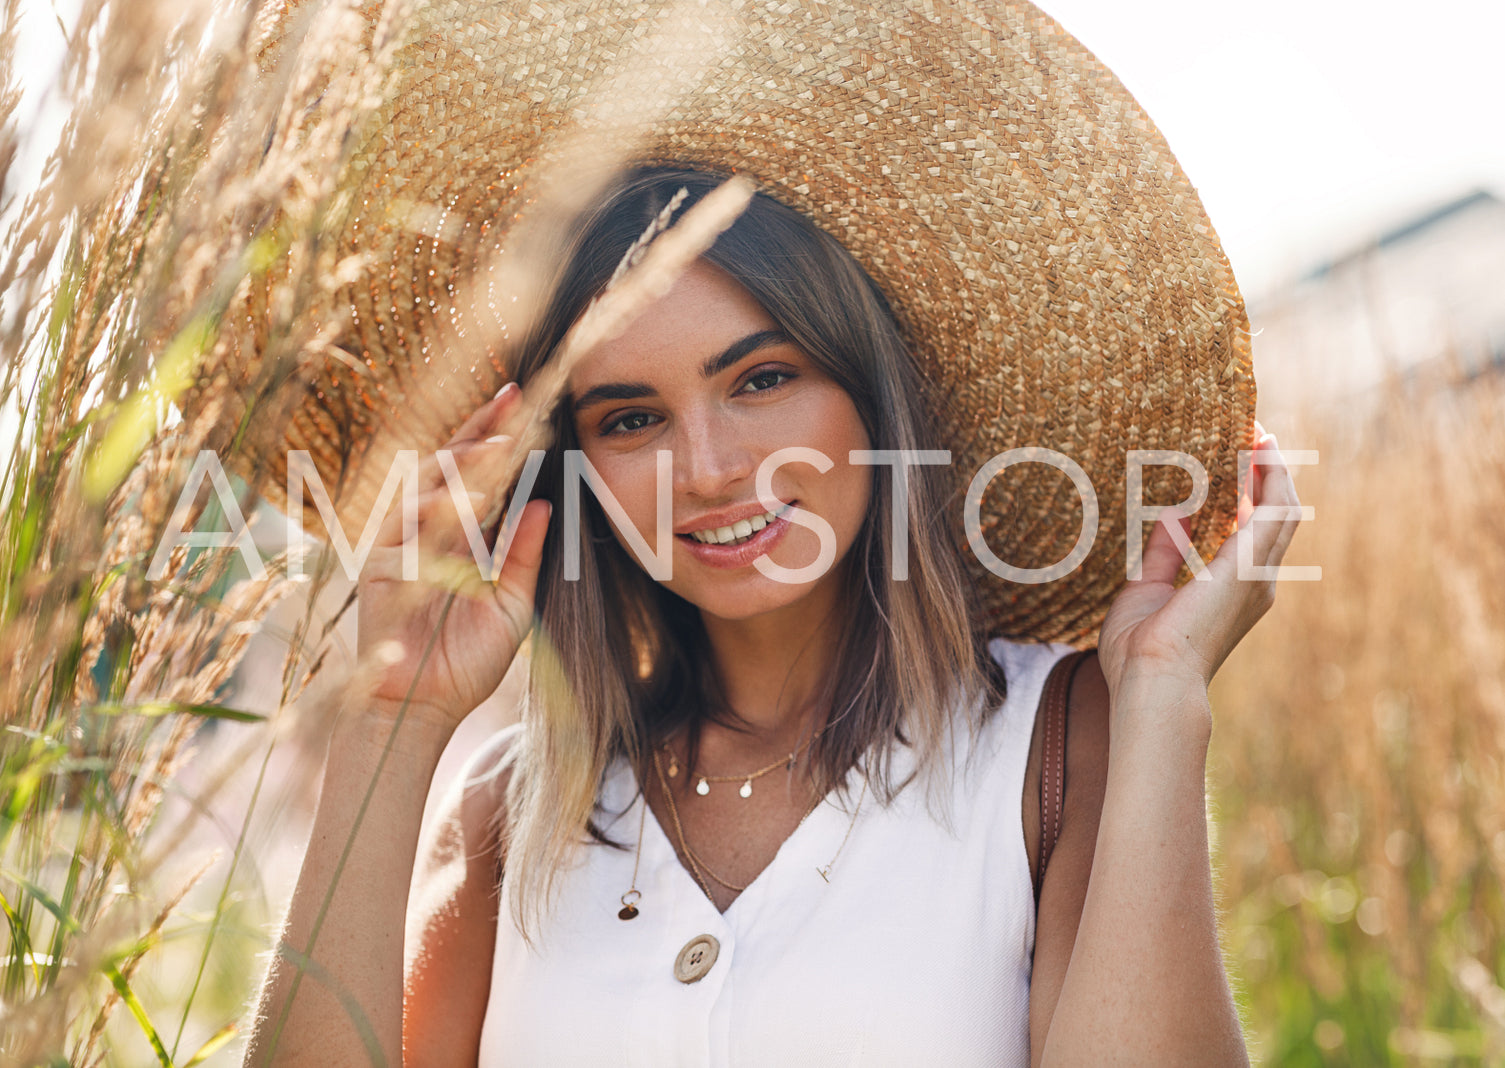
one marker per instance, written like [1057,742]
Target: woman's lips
[742,554]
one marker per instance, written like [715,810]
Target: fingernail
[510,387]
[499,439]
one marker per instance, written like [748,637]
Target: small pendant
[673,766]
[702,788]
[746,790]
[629,904]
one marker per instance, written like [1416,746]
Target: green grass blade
[208,1049]
[167,708]
[20,950]
[123,988]
[224,894]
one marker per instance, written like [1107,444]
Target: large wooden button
[696,959]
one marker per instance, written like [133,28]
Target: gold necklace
[703,782]
[825,873]
[698,867]
[634,895]
[696,864]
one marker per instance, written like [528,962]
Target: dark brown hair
[619,662]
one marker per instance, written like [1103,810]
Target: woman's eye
[765,380]
[628,424]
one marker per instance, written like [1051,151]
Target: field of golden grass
[1360,743]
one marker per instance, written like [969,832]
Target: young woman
[782,805]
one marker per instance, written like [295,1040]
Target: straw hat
[1048,262]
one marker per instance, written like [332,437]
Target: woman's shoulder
[1027,662]
[484,778]
[493,752]
[999,743]
[1014,735]
[1025,667]
[452,909]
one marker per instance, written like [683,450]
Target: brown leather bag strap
[1052,713]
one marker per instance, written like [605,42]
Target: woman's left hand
[1158,636]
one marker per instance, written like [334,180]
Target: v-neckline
[651,818]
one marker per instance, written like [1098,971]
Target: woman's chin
[747,610]
[751,595]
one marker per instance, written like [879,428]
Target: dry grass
[1361,743]
[163,200]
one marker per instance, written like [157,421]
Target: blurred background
[1351,157]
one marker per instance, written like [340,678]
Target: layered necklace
[698,867]
[703,782]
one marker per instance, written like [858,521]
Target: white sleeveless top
[917,951]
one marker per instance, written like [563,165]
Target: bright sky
[1310,125]
[1307,125]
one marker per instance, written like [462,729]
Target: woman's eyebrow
[738,349]
[617,391]
[613,391]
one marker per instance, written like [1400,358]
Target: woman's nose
[710,457]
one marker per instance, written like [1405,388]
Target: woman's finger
[518,581]
[1249,491]
[501,474]
[384,563]
[485,419]
[459,505]
[1287,529]
[476,479]
[1272,536]
[1162,559]
[473,433]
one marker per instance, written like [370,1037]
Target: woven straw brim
[1050,265]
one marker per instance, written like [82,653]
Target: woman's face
[706,374]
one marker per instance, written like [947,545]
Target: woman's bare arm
[453,915]
[333,993]
[1144,980]
[1127,963]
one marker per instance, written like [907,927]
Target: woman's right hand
[440,645]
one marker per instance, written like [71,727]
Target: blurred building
[1425,300]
